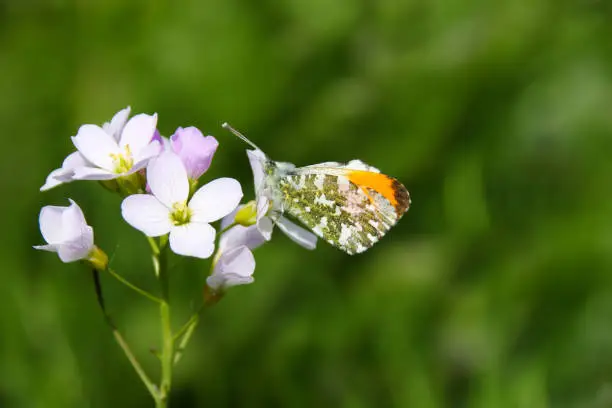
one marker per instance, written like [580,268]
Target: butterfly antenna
[239,135]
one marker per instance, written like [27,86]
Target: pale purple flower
[234,267]
[125,151]
[234,262]
[66,232]
[166,210]
[195,150]
[268,217]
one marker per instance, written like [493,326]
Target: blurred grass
[494,290]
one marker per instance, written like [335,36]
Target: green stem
[137,367]
[167,351]
[192,324]
[185,333]
[133,287]
[188,323]
[154,246]
[121,341]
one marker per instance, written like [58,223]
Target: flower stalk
[167,350]
[121,341]
[185,336]
[135,288]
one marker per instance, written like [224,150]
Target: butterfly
[351,206]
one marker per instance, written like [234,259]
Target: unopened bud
[97,259]
[247,215]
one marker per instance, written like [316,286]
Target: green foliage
[495,290]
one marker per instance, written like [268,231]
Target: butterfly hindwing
[350,209]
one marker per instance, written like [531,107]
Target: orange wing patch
[386,186]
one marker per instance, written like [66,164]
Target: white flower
[167,209]
[265,221]
[116,150]
[66,232]
[75,160]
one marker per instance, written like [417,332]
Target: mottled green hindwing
[350,217]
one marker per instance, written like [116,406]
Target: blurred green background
[495,290]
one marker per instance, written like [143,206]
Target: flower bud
[97,259]
[195,150]
[247,215]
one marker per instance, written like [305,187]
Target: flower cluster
[158,178]
[164,195]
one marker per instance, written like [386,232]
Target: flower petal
[195,150]
[138,132]
[151,150]
[92,173]
[215,200]
[53,179]
[297,234]
[73,223]
[74,160]
[241,236]
[78,248]
[145,213]
[49,248]
[96,146]
[234,267]
[193,239]
[115,126]
[238,261]
[230,218]
[50,222]
[167,179]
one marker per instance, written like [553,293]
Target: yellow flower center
[123,162]
[181,214]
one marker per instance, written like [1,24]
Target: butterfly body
[351,206]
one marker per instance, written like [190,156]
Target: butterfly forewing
[350,209]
